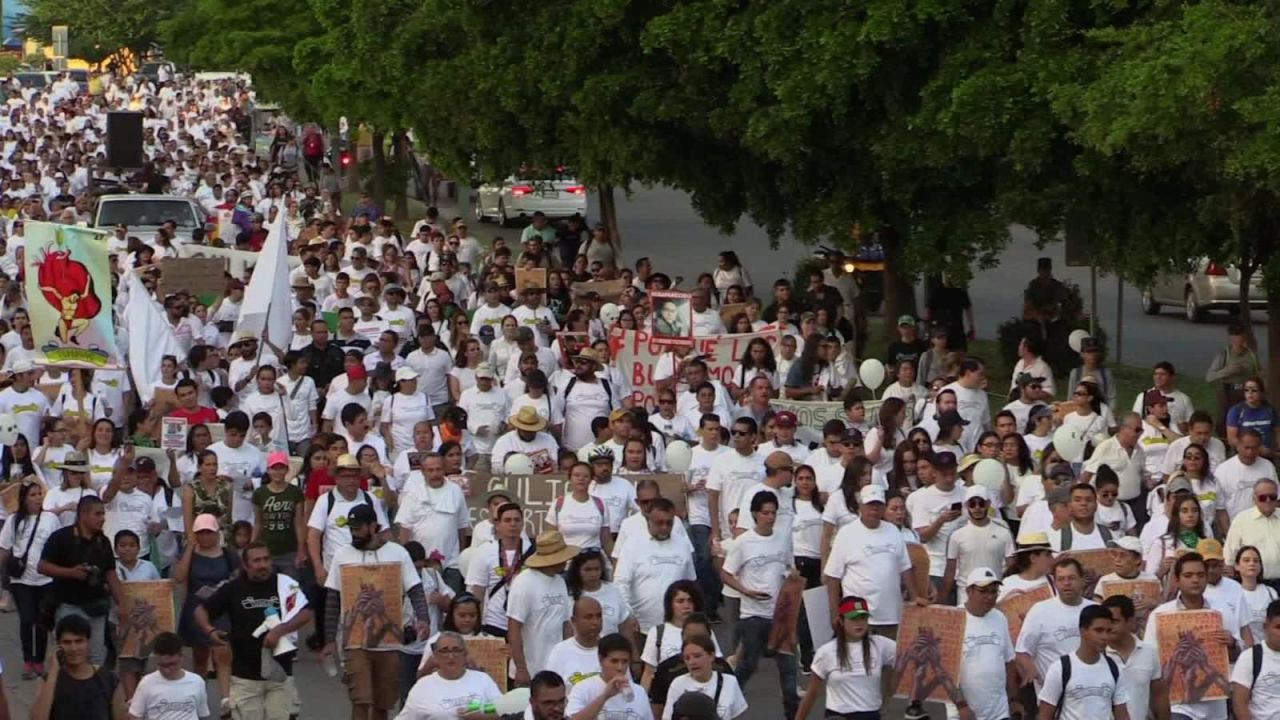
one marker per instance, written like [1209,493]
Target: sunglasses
[1265,498]
[740,433]
[976,503]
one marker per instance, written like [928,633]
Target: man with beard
[249,598]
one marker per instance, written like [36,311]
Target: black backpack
[608,391]
[1066,677]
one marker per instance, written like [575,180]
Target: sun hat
[527,419]
[551,551]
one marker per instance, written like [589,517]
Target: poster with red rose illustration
[68,284]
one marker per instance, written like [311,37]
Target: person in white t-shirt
[1082,532]
[869,560]
[732,472]
[453,689]
[987,668]
[1139,665]
[699,654]
[169,693]
[487,409]
[1051,628]
[434,512]
[982,543]
[936,512]
[1255,679]
[528,438]
[538,606]
[575,658]
[327,530]
[852,666]
[612,693]
[1085,683]
[402,412]
[585,397]
[652,563]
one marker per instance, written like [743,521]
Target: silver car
[556,194]
[1210,286]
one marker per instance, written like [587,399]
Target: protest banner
[608,290]
[671,486]
[146,610]
[817,608]
[491,655]
[1196,668]
[1016,606]
[527,278]
[205,278]
[226,230]
[68,286]
[814,415]
[572,343]
[930,648]
[637,356]
[372,606]
[672,318]
[173,434]
[537,493]
[238,261]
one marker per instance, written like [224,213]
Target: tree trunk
[379,168]
[1245,313]
[899,292]
[609,216]
[400,147]
[1273,338]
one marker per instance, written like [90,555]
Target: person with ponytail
[842,506]
[853,668]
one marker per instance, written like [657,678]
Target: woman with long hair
[1087,413]
[579,516]
[852,670]
[23,537]
[1186,530]
[757,361]
[806,543]
[16,462]
[1039,431]
[842,507]
[903,478]
[1093,369]
[504,348]
[895,511]
[1158,431]
[463,375]
[588,576]
[199,438]
[811,377]
[730,272]
[462,617]
[702,676]
[919,437]
[682,599]
[64,499]
[208,493]
[885,435]
[1248,565]
[103,448]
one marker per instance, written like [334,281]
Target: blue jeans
[708,578]
[97,630]
[753,633]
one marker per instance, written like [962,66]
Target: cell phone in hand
[955,507]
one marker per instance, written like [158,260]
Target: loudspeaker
[124,140]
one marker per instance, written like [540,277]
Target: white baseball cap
[871,494]
[1130,543]
[981,577]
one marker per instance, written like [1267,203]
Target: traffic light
[344,158]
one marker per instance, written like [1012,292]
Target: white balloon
[679,456]
[1069,442]
[1076,337]
[8,429]
[989,473]
[513,702]
[518,464]
[871,372]
[609,313]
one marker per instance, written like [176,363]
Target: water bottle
[330,665]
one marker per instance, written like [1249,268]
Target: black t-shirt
[670,669]
[899,351]
[83,699]
[66,548]
[246,603]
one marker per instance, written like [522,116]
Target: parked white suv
[144,214]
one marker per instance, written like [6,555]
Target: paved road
[662,223]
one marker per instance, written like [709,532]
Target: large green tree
[100,28]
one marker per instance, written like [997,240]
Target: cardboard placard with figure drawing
[930,649]
[146,610]
[1198,670]
[372,606]
[1016,606]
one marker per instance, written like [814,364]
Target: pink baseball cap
[277,457]
[207,522]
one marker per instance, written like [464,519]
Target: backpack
[368,500]
[599,506]
[1065,660]
[608,391]
[1067,535]
[313,145]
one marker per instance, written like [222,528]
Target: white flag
[268,304]
[150,338]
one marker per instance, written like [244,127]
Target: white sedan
[556,196]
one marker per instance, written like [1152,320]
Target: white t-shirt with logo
[1090,693]
[158,697]
[729,705]
[573,662]
[869,564]
[541,603]
[926,505]
[987,649]
[761,563]
[240,464]
[630,704]
[1264,695]
[434,696]
[1050,630]
[434,516]
[731,474]
[579,522]
[614,608]
[486,410]
[619,497]
[403,412]
[132,510]
[855,688]
[699,470]
[647,569]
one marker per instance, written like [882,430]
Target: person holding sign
[374,665]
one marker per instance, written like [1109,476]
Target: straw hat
[551,551]
[527,419]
